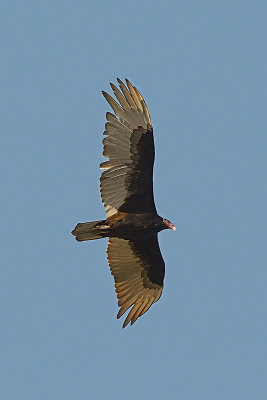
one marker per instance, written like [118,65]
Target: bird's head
[168,224]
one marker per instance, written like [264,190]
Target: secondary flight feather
[126,186]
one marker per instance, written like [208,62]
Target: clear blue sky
[201,66]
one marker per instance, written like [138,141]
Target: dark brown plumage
[126,187]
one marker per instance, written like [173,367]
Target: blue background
[201,66]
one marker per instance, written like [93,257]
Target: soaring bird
[132,222]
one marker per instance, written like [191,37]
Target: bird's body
[126,226]
[126,187]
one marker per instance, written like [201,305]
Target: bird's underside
[126,188]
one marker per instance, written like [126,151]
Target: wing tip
[124,324]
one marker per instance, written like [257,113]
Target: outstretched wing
[138,269]
[127,183]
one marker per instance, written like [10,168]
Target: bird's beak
[169,224]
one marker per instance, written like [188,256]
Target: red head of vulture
[132,223]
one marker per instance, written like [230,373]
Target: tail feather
[87,231]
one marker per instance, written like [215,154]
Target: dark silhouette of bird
[132,223]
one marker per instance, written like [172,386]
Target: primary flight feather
[126,186]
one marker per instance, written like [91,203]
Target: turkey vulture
[132,223]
